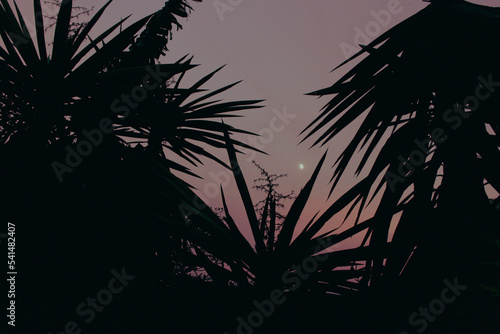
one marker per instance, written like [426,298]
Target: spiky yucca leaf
[263,264]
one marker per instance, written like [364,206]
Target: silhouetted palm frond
[427,94]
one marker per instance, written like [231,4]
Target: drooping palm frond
[430,85]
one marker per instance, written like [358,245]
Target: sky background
[281,49]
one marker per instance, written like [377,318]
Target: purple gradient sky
[281,49]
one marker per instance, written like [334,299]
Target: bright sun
[301,166]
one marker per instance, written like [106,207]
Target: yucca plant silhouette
[430,86]
[83,225]
[51,102]
[262,263]
[315,276]
[50,99]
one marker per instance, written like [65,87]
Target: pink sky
[281,49]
